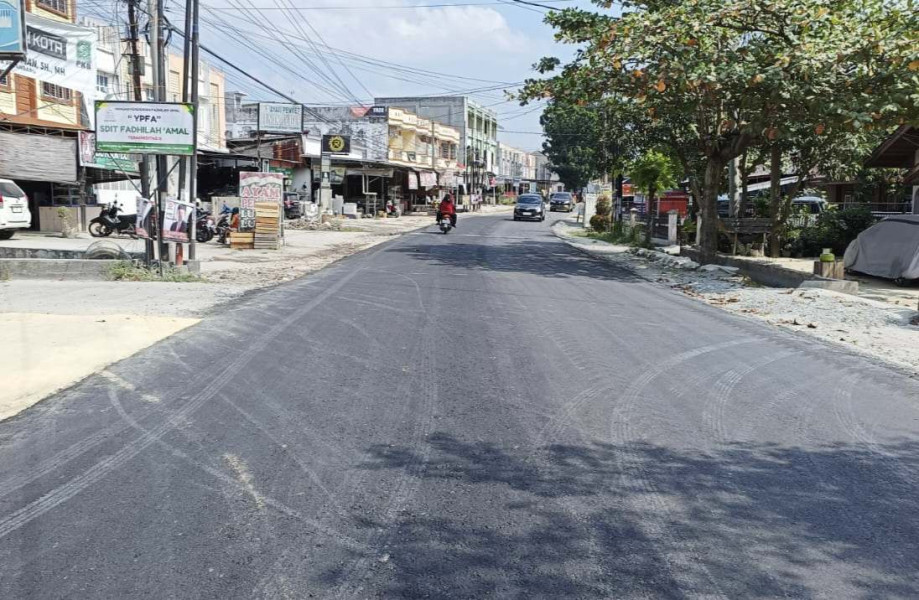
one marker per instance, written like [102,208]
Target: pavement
[485,414]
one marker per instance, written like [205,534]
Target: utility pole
[190,94]
[136,72]
[158,52]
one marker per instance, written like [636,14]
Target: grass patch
[125,270]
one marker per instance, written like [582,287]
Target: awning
[765,185]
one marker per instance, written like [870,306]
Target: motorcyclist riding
[447,209]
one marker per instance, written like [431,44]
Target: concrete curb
[55,268]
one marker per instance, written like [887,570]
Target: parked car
[561,201]
[530,206]
[888,249]
[14,209]
[812,205]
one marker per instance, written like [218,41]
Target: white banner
[61,54]
[145,127]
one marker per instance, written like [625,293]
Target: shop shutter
[38,157]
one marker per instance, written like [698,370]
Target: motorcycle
[205,228]
[222,227]
[445,224]
[109,221]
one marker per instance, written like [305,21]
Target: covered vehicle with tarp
[888,249]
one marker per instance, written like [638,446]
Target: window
[149,95]
[58,6]
[215,107]
[56,93]
[5,81]
[102,83]
[175,86]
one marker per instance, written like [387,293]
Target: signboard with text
[110,162]
[12,29]
[177,220]
[276,117]
[255,187]
[145,127]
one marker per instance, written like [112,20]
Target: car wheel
[516,218]
[7,234]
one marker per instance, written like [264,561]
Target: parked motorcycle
[205,228]
[109,221]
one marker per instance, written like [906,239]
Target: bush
[126,270]
[604,206]
[834,229]
[600,222]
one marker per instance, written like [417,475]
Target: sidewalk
[881,330]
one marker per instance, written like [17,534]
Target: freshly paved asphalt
[487,414]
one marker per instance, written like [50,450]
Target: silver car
[530,206]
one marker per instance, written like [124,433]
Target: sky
[397,48]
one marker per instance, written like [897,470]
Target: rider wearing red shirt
[447,209]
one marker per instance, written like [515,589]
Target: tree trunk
[708,234]
[744,169]
[775,200]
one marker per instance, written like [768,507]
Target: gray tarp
[888,249]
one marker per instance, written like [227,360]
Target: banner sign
[177,220]
[143,223]
[427,179]
[412,180]
[145,127]
[109,162]
[337,175]
[12,29]
[58,53]
[275,117]
[336,144]
[255,187]
[627,190]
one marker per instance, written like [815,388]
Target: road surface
[487,414]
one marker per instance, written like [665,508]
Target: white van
[14,209]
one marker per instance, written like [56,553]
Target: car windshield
[561,196]
[529,200]
[10,190]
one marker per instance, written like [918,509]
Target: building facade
[477,126]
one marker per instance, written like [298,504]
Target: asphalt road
[487,414]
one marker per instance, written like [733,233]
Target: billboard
[145,127]
[12,29]
[59,53]
[276,117]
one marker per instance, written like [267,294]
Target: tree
[650,173]
[726,76]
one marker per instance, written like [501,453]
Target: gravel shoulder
[877,329]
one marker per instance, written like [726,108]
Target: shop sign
[627,190]
[378,111]
[412,180]
[336,175]
[177,220]
[12,29]
[255,187]
[277,117]
[145,127]
[427,179]
[336,144]
[288,172]
[109,162]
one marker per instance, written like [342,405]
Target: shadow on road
[608,521]
[549,258]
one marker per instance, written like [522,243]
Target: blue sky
[388,48]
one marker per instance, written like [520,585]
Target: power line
[389,7]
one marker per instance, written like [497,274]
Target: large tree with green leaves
[723,76]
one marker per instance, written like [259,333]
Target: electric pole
[158,53]
[137,63]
